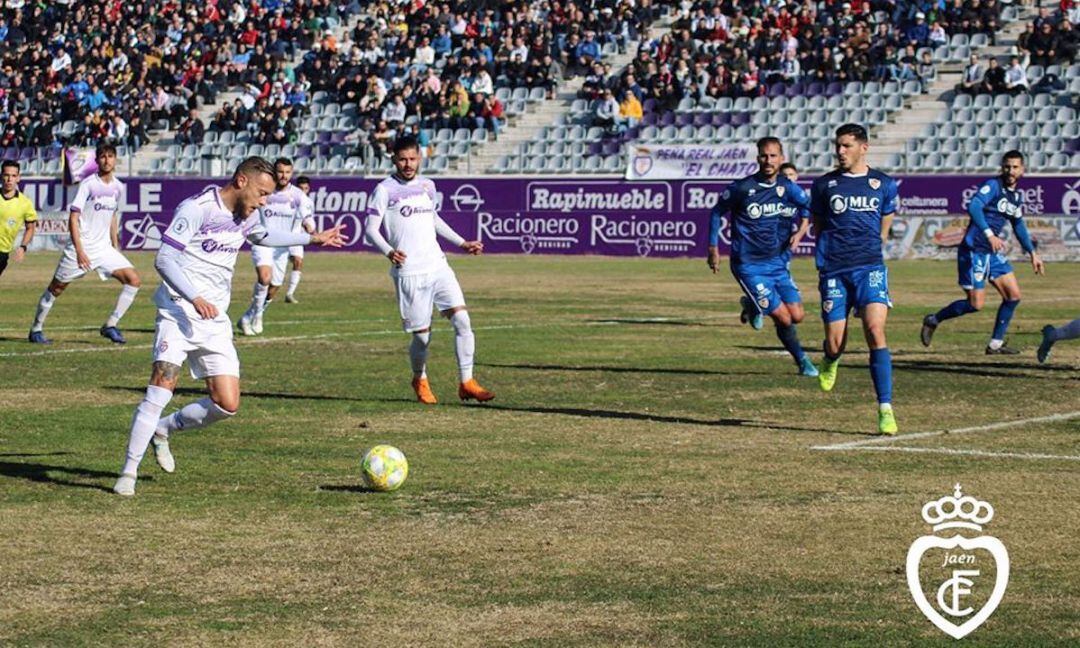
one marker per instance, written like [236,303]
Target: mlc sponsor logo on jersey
[841,204]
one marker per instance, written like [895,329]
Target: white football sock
[294,281]
[193,416]
[264,306]
[258,296]
[464,344]
[123,303]
[418,351]
[143,426]
[996,344]
[45,304]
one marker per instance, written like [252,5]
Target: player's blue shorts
[852,289]
[767,283]
[974,269]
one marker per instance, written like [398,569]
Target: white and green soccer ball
[384,468]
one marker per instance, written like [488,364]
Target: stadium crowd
[418,66]
[750,48]
[119,69]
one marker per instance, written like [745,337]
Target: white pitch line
[954,451]
[1001,425]
[242,341]
[11,329]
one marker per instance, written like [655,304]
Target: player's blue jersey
[997,205]
[849,210]
[762,215]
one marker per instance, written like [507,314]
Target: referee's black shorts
[3,261]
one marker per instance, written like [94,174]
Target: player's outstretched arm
[371,232]
[329,238]
[1024,237]
[474,248]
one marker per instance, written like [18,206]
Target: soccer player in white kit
[95,245]
[422,277]
[296,252]
[283,213]
[196,262]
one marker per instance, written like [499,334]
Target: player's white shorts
[418,294]
[105,261]
[297,251]
[206,344]
[275,257]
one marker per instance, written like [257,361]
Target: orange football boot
[472,389]
[423,391]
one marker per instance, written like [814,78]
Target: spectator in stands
[919,33]
[586,52]
[606,110]
[971,80]
[191,130]
[630,111]
[491,114]
[994,79]
[937,36]
[1043,45]
[926,71]
[1016,77]
[1068,43]
[394,112]
[790,69]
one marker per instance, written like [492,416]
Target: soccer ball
[384,468]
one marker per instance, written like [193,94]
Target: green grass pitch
[648,475]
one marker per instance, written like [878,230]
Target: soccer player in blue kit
[853,208]
[763,207]
[981,256]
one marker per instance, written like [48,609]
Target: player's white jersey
[408,211]
[284,210]
[97,202]
[307,214]
[210,237]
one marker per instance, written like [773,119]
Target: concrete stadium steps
[893,137]
[529,126]
[158,145]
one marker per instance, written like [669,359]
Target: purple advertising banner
[566,215]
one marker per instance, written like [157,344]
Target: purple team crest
[642,164]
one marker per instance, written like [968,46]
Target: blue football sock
[955,309]
[1004,316]
[790,338]
[881,372]
[1068,332]
[827,356]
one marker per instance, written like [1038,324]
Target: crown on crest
[958,511]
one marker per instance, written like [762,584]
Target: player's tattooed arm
[165,374]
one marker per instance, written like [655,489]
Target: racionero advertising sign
[602,216]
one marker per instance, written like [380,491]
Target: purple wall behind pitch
[554,215]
